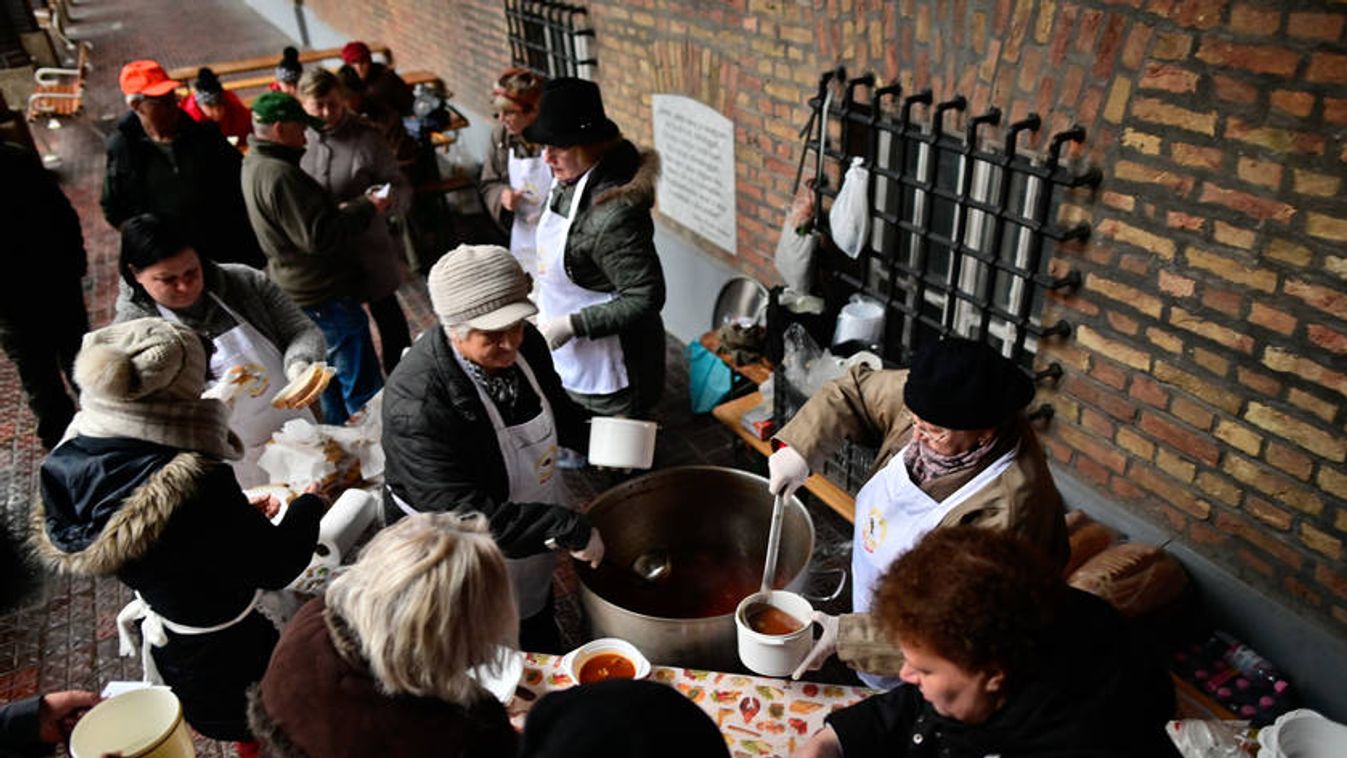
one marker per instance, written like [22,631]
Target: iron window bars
[959,232]
[552,39]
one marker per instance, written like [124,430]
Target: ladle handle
[773,543]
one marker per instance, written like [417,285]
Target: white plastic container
[575,660]
[143,723]
[861,320]
[621,442]
[1303,733]
[775,654]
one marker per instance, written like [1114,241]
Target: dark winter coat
[1099,695]
[388,90]
[19,729]
[611,248]
[175,527]
[442,454]
[310,243]
[199,186]
[318,698]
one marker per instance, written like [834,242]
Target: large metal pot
[713,522]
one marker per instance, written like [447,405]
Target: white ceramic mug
[621,442]
[775,654]
[146,723]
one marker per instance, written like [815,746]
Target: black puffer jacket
[1100,695]
[442,453]
[611,248]
[199,186]
[176,528]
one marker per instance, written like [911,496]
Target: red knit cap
[356,52]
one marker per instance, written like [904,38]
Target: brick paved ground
[60,634]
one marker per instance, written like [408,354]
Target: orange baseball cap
[146,78]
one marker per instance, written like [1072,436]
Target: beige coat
[866,407]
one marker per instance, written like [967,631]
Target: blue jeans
[351,352]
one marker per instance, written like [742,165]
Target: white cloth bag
[849,218]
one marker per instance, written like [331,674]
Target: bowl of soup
[775,631]
[603,659]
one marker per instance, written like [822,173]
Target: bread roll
[1135,579]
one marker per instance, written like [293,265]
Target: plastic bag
[849,217]
[795,248]
[709,378]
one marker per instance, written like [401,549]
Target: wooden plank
[730,415]
[757,372]
[258,63]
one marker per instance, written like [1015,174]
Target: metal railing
[552,39]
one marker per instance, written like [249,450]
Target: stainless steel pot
[713,522]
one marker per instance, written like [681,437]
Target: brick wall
[1206,381]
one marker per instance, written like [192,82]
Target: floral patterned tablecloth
[758,716]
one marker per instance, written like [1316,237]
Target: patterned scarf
[502,388]
[924,464]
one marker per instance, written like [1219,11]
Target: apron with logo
[530,453]
[530,177]
[244,356]
[586,366]
[892,515]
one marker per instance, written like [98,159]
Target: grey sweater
[253,296]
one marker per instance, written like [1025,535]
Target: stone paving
[60,633]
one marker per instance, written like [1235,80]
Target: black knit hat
[570,112]
[207,87]
[962,384]
[619,718]
[289,69]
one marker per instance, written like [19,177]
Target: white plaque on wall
[696,184]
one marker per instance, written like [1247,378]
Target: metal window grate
[960,232]
[552,39]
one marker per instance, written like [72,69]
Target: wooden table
[757,372]
[759,716]
[833,496]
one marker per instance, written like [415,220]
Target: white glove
[593,552]
[557,332]
[823,648]
[786,471]
[295,369]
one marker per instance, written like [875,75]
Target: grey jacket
[346,161]
[496,174]
[255,297]
[307,238]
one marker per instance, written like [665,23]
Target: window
[552,39]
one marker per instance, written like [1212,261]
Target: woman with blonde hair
[382,664]
[514,177]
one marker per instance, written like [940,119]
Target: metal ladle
[652,565]
[773,543]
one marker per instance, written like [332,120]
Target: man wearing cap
[472,419]
[383,87]
[161,161]
[954,448]
[310,245]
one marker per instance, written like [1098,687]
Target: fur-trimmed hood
[106,502]
[626,173]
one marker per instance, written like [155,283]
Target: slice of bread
[304,389]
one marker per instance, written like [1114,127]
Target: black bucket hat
[962,384]
[570,112]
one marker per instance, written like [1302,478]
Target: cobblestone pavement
[59,633]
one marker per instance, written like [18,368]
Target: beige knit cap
[142,360]
[481,286]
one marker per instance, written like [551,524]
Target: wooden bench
[412,79]
[268,62]
[59,91]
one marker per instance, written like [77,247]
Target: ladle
[773,543]
[652,565]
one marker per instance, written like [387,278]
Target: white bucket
[861,320]
[144,723]
[1303,733]
[775,654]
[575,660]
[621,442]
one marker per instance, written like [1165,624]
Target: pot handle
[841,574]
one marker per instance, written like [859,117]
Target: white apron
[586,366]
[892,514]
[154,628]
[252,416]
[530,177]
[530,453]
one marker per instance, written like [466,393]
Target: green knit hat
[273,107]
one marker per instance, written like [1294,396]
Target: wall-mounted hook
[1059,329]
[1044,412]
[1053,371]
[1072,280]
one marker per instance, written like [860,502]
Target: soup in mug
[768,619]
[607,666]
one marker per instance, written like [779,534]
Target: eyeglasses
[937,434]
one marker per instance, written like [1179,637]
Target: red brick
[1272,138]
[1200,14]
[1091,470]
[1330,300]
[1270,318]
[1248,558]
[1108,374]
[1335,110]
[1269,514]
[1184,221]
[1291,461]
[1254,19]
[1096,423]
[1331,580]
[1292,102]
[1261,208]
[1260,59]
[1192,443]
[1326,27]
[1300,591]
[1201,533]
[1265,173]
[1257,537]
[1234,90]
[1192,413]
[1170,78]
[1327,68]
[1148,391]
[1327,338]
[1229,303]
[1107,49]
[1258,381]
[1172,493]
[1106,400]
[1193,155]
[1134,50]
